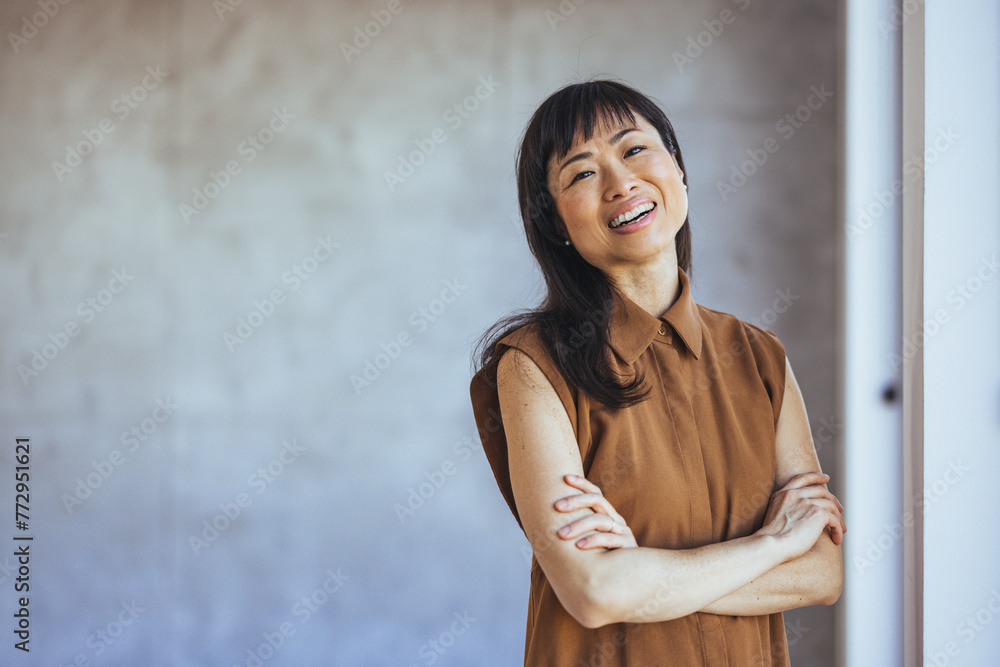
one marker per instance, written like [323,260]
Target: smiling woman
[655,452]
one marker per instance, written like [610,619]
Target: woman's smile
[621,196]
[637,215]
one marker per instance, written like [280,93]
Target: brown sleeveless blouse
[693,464]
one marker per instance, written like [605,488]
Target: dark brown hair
[574,319]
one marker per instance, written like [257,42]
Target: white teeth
[629,216]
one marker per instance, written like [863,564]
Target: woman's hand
[799,511]
[608,528]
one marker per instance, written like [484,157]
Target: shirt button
[663,330]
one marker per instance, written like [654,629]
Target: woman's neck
[654,286]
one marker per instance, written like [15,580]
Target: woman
[655,452]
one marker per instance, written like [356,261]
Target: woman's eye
[580,176]
[634,150]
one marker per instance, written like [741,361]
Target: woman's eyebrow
[586,154]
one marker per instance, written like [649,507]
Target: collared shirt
[692,464]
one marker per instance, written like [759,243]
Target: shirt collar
[633,328]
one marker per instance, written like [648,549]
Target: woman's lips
[638,224]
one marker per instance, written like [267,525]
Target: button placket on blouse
[674,361]
[676,364]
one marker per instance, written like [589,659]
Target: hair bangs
[583,111]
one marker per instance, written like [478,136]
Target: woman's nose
[619,181]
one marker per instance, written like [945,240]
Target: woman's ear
[678,166]
[557,220]
[561,228]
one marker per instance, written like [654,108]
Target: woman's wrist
[775,546]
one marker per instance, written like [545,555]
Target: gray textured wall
[153,411]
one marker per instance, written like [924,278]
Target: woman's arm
[814,578]
[638,585]
[818,576]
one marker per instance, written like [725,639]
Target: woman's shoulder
[530,341]
[723,324]
[527,338]
[485,394]
[734,338]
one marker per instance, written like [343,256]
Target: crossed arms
[589,554]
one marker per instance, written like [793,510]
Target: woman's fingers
[598,531]
[802,509]
[837,527]
[605,541]
[591,498]
[578,501]
[582,483]
[815,491]
[826,502]
[604,528]
[792,493]
[592,522]
[806,479]
[832,505]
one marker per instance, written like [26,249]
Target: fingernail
[564,531]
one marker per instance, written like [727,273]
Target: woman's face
[620,195]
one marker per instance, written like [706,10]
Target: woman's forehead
[606,126]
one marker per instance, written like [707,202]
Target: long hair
[574,319]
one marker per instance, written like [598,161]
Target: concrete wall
[162,412]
